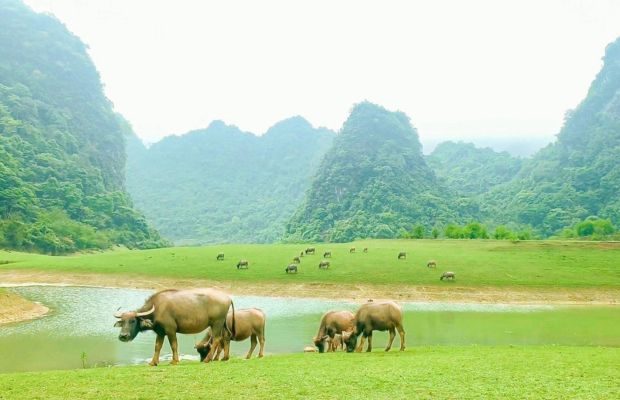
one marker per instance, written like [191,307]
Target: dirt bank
[14,308]
[449,292]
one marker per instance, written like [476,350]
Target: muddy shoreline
[15,308]
[450,292]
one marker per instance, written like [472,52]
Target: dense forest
[577,178]
[220,184]
[373,182]
[62,150]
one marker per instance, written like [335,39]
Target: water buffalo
[332,322]
[327,254]
[447,275]
[172,311]
[290,268]
[402,255]
[324,264]
[365,249]
[301,254]
[375,316]
[352,250]
[249,323]
[310,250]
[220,257]
[243,264]
[431,264]
[296,260]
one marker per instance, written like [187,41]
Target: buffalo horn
[143,313]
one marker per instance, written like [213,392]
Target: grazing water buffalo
[324,264]
[372,316]
[296,260]
[310,250]
[365,249]
[333,322]
[402,255]
[447,275]
[172,311]
[290,268]
[243,264]
[249,323]
[220,257]
[327,254]
[431,264]
[301,254]
[352,250]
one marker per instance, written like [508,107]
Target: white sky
[471,70]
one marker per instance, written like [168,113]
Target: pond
[79,330]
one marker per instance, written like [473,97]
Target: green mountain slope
[579,175]
[373,182]
[222,185]
[470,170]
[61,146]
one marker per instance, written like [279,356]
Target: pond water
[79,330]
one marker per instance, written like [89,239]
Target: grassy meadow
[477,263]
[439,372]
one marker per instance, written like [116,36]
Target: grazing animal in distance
[250,323]
[324,264]
[310,250]
[352,250]
[172,311]
[220,257]
[290,268]
[402,255]
[447,275]
[332,322]
[431,264]
[301,254]
[296,260]
[365,250]
[383,316]
[243,264]
[327,254]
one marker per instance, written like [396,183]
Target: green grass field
[476,263]
[450,372]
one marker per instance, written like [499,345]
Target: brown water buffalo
[220,257]
[447,275]
[375,316]
[324,264]
[327,254]
[402,255]
[172,311]
[332,322]
[352,250]
[431,264]
[243,264]
[310,250]
[249,323]
[290,268]
[296,260]
[365,250]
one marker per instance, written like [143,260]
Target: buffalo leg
[361,345]
[226,349]
[392,336]
[159,342]
[172,338]
[253,342]
[369,349]
[220,348]
[261,341]
[216,332]
[401,332]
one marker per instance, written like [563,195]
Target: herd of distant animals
[192,311]
[324,264]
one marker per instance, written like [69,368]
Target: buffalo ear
[118,324]
[146,324]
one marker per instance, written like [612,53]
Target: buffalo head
[132,323]
[320,343]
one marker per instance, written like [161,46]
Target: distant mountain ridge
[220,184]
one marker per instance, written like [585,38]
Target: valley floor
[436,372]
[450,292]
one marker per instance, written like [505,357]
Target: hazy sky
[506,70]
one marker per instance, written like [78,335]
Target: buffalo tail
[233,328]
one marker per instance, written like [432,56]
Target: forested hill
[373,182]
[221,185]
[578,176]
[62,150]
[470,170]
